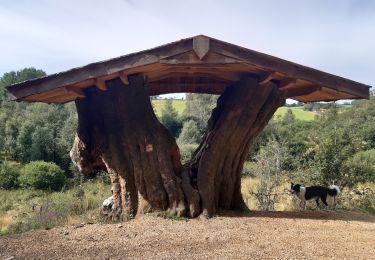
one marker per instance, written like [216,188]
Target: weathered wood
[295,92]
[201,46]
[242,112]
[75,92]
[287,83]
[119,131]
[291,69]
[264,79]
[100,83]
[200,51]
[124,78]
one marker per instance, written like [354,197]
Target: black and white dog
[314,192]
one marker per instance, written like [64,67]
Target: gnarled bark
[119,132]
[242,112]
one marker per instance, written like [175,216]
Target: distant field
[298,112]
[180,106]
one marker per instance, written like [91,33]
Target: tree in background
[170,119]
[271,162]
[35,131]
[190,134]
[13,77]
[9,174]
[199,108]
[195,117]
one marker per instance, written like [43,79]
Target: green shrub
[42,175]
[360,168]
[8,176]
[186,151]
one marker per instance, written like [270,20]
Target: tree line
[337,147]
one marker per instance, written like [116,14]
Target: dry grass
[286,201]
[360,198]
[23,210]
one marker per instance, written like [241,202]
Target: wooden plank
[180,53]
[295,92]
[157,88]
[61,99]
[75,92]
[291,69]
[287,83]
[99,69]
[204,74]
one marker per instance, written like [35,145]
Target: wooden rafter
[124,77]
[75,92]
[100,83]
[266,78]
[295,92]
[284,84]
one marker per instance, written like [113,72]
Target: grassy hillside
[298,112]
[180,106]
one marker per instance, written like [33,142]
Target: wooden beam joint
[266,78]
[75,92]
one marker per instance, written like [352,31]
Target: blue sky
[337,36]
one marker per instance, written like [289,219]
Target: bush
[360,168]
[186,151]
[190,133]
[42,175]
[8,176]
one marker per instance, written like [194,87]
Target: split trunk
[118,132]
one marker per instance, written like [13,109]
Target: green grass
[298,112]
[180,105]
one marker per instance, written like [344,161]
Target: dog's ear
[292,183]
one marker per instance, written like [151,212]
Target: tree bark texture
[118,132]
[242,112]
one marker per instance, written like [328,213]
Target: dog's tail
[333,190]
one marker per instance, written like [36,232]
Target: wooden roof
[194,65]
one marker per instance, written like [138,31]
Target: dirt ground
[273,235]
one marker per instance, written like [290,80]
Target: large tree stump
[119,132]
